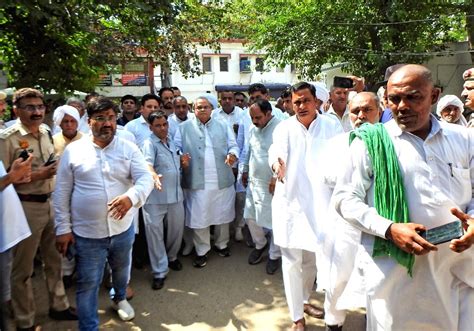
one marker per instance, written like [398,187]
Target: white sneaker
[124,310]
[238,234]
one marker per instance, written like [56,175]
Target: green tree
[365,37]
[63,45]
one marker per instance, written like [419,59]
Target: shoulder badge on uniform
[9,131]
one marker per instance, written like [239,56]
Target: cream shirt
[89,177]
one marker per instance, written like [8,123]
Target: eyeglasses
[201,108]
[32,108]
[103,119]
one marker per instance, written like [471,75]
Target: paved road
[228,294]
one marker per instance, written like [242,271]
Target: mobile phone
[70,252]
[443,233]
[24,155]
[51,160]
[343,82]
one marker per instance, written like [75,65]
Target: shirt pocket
[460,184]
[121,168]
[163,161]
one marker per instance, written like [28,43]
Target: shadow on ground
[228,294]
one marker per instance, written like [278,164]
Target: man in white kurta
[341,244]
[436,161]
[181,113]
[258,178]
[233,116]
[299,195]
[208,180]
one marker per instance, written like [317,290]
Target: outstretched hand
[279,168]
[467,240]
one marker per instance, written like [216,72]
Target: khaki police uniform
[35,199]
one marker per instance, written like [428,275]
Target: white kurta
[13,224]
[301,201]
[210,206]
[337,258]
[438,174]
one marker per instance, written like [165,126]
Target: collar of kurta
[333,112]
[97,146]
[269,123]
[395,130]
[142,120]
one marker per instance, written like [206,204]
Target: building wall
[233,51]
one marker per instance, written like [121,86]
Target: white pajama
[299,274]
[260,240]
[202,238]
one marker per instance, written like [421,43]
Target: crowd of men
[339,187]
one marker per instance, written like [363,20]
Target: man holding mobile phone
[339,96]
[30,134]
[411,283]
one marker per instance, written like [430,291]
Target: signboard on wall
[126,74]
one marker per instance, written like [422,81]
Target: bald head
[364,108]
[417,71]
[410,95]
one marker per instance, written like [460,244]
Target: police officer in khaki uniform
[31,135]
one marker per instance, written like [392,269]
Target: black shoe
[200,261]
[272,266]
[158,283]
[334,327]
[63,315]
[175,265]
[224,252]
[256,255]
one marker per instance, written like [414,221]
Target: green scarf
[389,193]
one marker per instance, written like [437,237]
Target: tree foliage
[63,45]
[365,37]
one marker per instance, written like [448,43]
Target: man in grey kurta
[208,182]
[261,184]
[165,205]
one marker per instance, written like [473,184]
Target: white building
[234,67]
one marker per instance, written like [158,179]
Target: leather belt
[34,197]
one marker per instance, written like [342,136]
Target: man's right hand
[20,171]
[44,172]
[245,179]
[63,241]
[279,168]
[406,237]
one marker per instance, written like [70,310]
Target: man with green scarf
[412,174]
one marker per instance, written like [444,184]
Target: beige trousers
[40,220]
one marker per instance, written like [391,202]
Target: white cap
[65,110]
[449,100]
